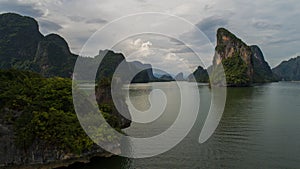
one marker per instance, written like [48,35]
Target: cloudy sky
[272,24]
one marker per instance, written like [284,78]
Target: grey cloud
[19,7]
[208,7]
[261,24]
[175,42]
[283,41]
[86,20]
[210,25]
[82,39]
[77,18]
[183,50]
[142,1]
[48,26]
[97,20]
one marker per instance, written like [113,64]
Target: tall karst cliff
[19,37]
[243,64]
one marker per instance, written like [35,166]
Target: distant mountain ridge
[179,77]
[288,70]
[23,47]
[200,75]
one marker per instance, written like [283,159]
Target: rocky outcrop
[19,38]
[261,70]
[200,75]
[104,98]
[145,72]
[40,154]
[53,57]
[288,70]
[229,46]
[165,78]
[23,47]
[179,77]
[243,64]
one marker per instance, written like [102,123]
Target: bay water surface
[260,128]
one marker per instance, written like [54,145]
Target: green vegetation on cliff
[42,112]
[23,47]
[39,122]
[243,64]
[236,71]
[19,37]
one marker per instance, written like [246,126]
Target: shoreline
[65,162]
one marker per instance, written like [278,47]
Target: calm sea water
[260,128]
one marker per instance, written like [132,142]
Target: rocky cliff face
[19,37]
[229,46]
[243,64]
[23,47]
[261,70]
[53,57]
[288,70]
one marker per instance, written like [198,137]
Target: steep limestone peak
[228,45]
[257,53]
[243,64]
[21,34]
[224,36]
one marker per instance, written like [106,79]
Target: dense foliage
[41,110]
[23,47]
[19,37]
[235,70]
